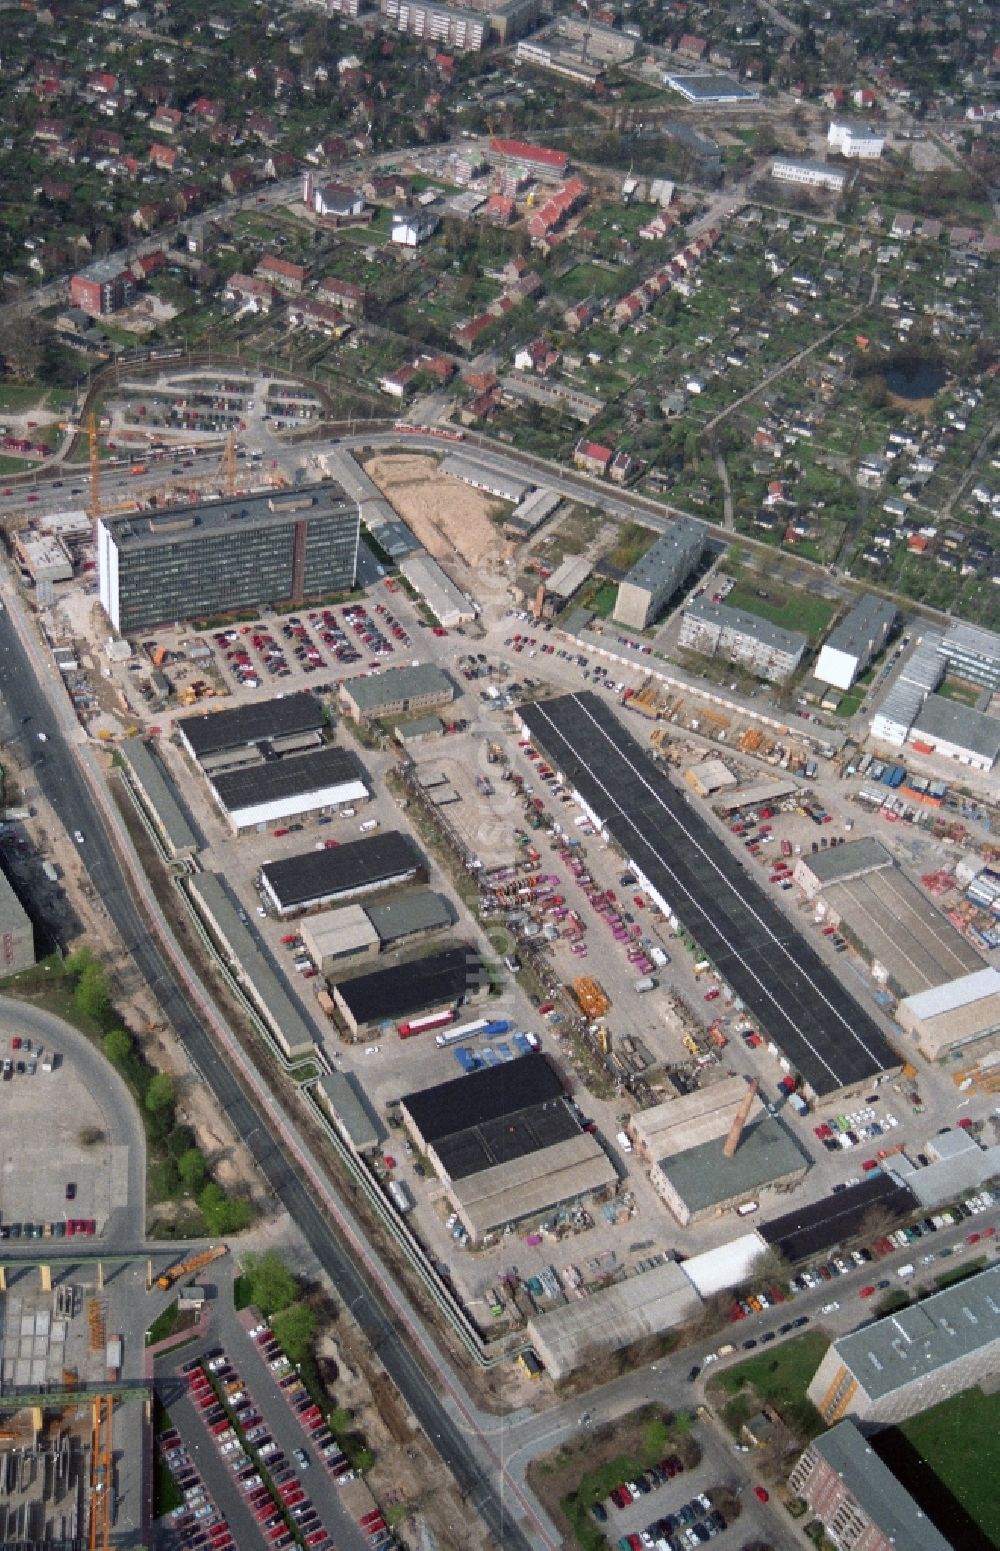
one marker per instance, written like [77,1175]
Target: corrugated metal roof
[954,994]
[847,861]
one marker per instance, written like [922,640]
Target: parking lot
[54,1106]
[255,1459]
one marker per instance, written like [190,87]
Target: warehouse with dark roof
[280,789]
[441,980]
[314,878]
[506,1144]
[824,1034]
[234,735]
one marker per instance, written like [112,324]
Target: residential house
[166,121]
[287,277]
[320,316]
[342,293]
[592,457]
[398,383]
[250,292]
[412,225]
[538,356]
[163,157]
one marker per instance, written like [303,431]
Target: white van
[747,1207]
[368,825]
[624,1141]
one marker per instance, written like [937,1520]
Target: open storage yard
[757,950]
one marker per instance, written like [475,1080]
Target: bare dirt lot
[448,517]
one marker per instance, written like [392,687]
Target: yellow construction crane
[101,1474]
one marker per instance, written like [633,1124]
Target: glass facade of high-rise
[249,552]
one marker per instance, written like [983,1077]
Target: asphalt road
[63,783]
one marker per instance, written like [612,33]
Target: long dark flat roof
[520,1135]
[290,777]
[244,725]
[353,867]
[819,1225]
[482,1097]
[780,979]
[415,987]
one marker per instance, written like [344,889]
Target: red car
[761,1493]
[867,1292]
[710,996]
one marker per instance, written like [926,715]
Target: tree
[295,1329]
[193,1170]
[272,1286]
[117,1045]
[91,996]
[222,1214]
[160,1094]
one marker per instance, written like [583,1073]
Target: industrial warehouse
[698,1174]
[314,878]
[399,692]
[336,938]
[823,1034]
[910,944]
[506,1144]
[289,723]
[446,980]
[251,797]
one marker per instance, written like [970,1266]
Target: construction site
[57,1475]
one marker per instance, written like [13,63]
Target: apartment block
[716,630]
[659,573]
[915,1358]
[858,1500]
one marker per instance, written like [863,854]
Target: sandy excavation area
[448,517]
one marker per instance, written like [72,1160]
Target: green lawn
[633,542]
[957,1439]
[953,689]
[780,1375]
[791,609]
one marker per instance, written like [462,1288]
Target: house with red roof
[288,277]
[163,157]
[592,457]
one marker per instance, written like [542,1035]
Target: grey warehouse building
[315,878]
[419,687]
[250,966]
[915,1358]
[159,798]
[506,1144]
[659,573]
[235,736]
[280,788]
[449,979]
[245,552]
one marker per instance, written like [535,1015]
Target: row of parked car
[196,1524]
[279,1503]
[692,1524]
[311,1418]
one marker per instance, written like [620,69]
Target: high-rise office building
[250,551]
